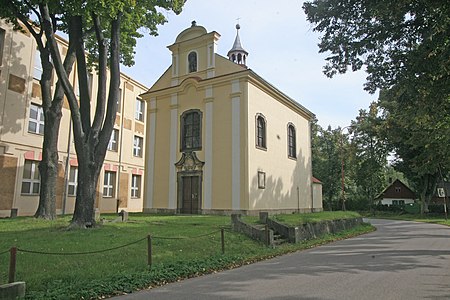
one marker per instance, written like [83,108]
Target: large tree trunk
[91,147]
[88,173]
[48,167]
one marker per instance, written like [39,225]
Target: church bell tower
[237,54]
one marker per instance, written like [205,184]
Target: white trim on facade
[207,178]
[150,157]
[173,151]
[235,147]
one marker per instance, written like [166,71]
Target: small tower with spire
[237,54]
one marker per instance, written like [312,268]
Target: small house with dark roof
[397,193]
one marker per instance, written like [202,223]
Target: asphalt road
[401,260]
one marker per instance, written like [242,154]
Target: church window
[192,60]
[191,122]
[261,132]
[292,151]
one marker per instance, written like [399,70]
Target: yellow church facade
[221,139]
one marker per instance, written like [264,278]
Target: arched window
[192,60]
[191,124]
[261,132]
[292,147]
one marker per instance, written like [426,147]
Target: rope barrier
[111,249]
[184,238]
[80,253]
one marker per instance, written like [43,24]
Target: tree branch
[102,74]
[114,83]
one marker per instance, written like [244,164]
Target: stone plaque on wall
[36,90]
[129,86]
[16,84]
[127,123]
[138,127]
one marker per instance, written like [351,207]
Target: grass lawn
[427,218]
[183,246]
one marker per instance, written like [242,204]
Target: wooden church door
[190,194]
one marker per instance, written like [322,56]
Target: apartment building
[21,136]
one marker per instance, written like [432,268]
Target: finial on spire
[193,23]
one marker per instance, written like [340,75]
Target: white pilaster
[207,170]
[150,157]
[173,151]
[235,147]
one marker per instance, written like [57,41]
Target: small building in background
[397,193]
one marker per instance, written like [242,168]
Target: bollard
[267,235]
[222,236]
[149,250]
[12,264]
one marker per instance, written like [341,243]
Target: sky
[282,49]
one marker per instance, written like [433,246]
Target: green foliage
[371,153]
[190,251]
[327,151]
[401,41]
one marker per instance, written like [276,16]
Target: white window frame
[136,186]
[113,140]
[73,182]
[109,184]
[138,143]
[38,121]
[32,180]
[139,112]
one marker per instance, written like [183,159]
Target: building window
[398,189]
[261,180]
[112,146]
[2,44]
[292,147]
[192,62]
[73,181]
[137,146]
[191,130]
[109,184]
[31,180]
[36,120]
[119,101]
[261,132]
[37,69]
[136,186]
[139,113]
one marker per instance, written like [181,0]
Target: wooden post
[12,264]
[222,236]
[149,250]
[267,235]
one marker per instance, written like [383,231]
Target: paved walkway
[401,260]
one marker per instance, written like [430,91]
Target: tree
[419,133]
[404,46]
[100,27]
[326,162]
[371,153]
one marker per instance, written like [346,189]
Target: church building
[221,139]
